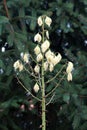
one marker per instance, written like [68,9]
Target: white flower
[39,57]
[48,21]
[45,65]
[69,77]
[39,21]
[37,37]
[57,59]
[51,67]
[26,57]
[36,88]
[49,56]
[18,65]
[69,67]
[37,69]
[47,34]
[37,50]
[45,46]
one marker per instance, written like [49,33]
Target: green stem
[43,89]
[43,102]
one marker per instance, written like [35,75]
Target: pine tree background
[68,35]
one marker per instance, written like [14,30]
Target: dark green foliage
[18,25]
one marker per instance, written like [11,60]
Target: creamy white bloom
[48,53]
[49,56]
[26,57]
[48,21]
[37,38]
[39,57]
[18,65]
[37,50]
[45,66]
[37,69]
[21,67]
[47,34]
[57,59]
[36,88]
[39,21]
[51,67]
[45,46]
[69,67]
[69,77]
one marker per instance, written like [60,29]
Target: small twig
[56,75]
[30,72]
[50,99]
[6,9]
[55,86]
[28,90]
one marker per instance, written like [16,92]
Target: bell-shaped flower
[18,65]
[36,88]
[45,46]
[48,21]
[69,67]
[37,38]
[45,65]
[47,34]
[37,69]
[39,57]
[57,59]
[39,21]
[26,57]
[49,56]
[37,50]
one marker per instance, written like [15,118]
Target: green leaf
[2,64]
[10,39]
[66,97]
[76,121]
[3,19]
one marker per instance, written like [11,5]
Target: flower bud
[47,34]
[37,50]
[69,77]
[36,88]
[39,21]
[45,46]
[37,69]
[48,21]
[39,57]
[69,67]
[37,38]
[45,66]
[26,57]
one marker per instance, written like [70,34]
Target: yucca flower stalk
[45,61]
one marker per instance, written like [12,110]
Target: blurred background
[68,35]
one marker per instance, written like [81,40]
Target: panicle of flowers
[42,50]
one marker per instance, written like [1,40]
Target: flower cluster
[18,64]
[42,49]
[69,70]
